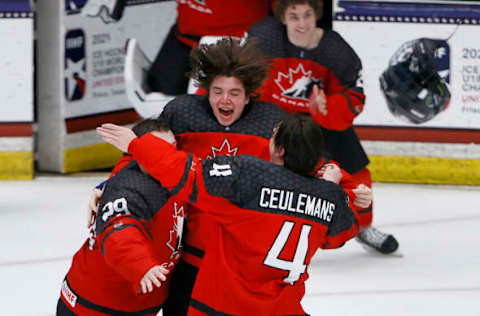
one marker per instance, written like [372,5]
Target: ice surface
[43,222]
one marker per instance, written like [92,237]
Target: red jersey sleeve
[347,183]
[128,249]
[343,106]
[337,239]
[175,169]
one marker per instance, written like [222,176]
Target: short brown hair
[302,140]
[230,58]
[149,125]
[282,6]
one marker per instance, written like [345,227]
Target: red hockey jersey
[347,182]
[272,221]
[334,66]
[198,18]
[197,131]
[138,226]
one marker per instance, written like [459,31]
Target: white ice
[43,222]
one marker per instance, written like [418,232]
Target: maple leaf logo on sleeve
[175,241]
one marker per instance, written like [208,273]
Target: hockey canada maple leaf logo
[297,83]
[175,240]
[225,149]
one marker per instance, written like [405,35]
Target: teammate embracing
[122,268]
[227,121]
[272,216]
[316,72]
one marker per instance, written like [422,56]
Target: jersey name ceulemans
[303,203]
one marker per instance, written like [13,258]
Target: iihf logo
[75,65]
[225,149]
[297,83]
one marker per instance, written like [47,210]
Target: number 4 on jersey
[297,266]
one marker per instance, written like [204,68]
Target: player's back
[105,272]
[198,131]
[272,222]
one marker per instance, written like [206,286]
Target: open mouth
[225,112]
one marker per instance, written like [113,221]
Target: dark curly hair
[302,140]
[282,5]
[230,58]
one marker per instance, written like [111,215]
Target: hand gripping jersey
[334,66]
[138,226]
[347,182]
[198,18]
[197,131]
[272,221]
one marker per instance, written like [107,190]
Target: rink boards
[445,150]
[16,91]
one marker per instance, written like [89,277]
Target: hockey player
[122,268]
[194,20]
[273,216]
[315,71]
[226,121]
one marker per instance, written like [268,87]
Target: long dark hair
[230,58]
